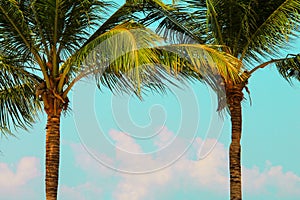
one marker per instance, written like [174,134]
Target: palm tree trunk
[52,155]
[235,152]
[234,98]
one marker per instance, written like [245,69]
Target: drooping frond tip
[289,68]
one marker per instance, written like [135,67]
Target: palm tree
[46,46]
[252,31]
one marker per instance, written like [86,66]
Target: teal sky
[171,146]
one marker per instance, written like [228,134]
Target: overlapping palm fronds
[54,39]
[251,30]
[275,25]
[132,46]
[18,103]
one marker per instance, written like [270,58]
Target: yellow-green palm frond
[112,49]
[131,56]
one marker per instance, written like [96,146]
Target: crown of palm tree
[57,43]
[250,30]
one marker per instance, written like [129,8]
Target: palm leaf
[16,35]
[66,22]
[19,107]
[130,56]
[154,9]
[289,68]
[276,24]
[113,47]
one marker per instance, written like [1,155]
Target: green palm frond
[66,22]
[289,68]
[206,60]
[16,34]
[134,9]
[113,47]
[130,56]
[47,31]
[124,13]
[251,29]
[276,24]
[19,107]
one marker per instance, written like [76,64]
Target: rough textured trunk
[52,155]
[235,152]
[234,97]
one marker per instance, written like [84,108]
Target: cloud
[85,191]
[271,180]
[186,173]
[91,161]
[19,180]
[26,170]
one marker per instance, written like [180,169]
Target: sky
[172,146]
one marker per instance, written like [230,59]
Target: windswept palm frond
[133,55]
[96,56]
[132,10]
[289,68]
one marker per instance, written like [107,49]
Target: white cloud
[85,191]
[19,180]
[284,184]
[124,142]
[92,163]
[207,174]
[26,170]
[139,186]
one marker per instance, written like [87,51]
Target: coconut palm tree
[253,32]
[46,46]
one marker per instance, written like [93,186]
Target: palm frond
[19,106]
[276,23]
[113,47]
[206,60]
[289,68]
[16,35]
[66,22]
[133,9]
[130,56]
[124,13]
[61,27]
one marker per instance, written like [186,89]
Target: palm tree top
[55,43]
[252,30]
